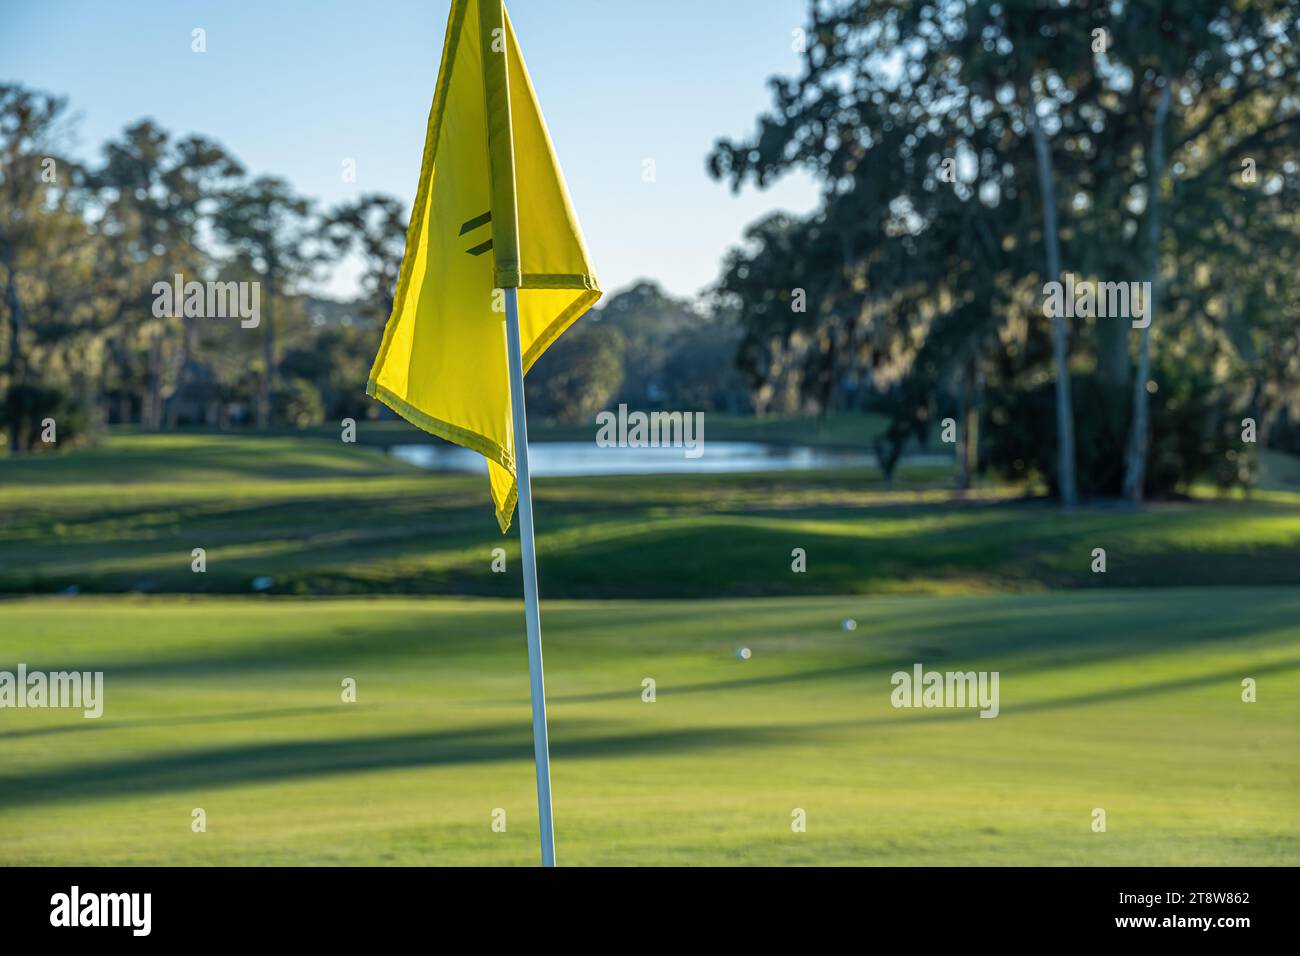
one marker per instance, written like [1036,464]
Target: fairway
[1127,700]
[319,517]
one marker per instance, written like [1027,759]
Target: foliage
[928,248]
[578,374]
[1195,431]
[26,408]
[82,249]
[298,402]
[374,226]
[644,348]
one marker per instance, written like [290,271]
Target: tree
[1136,458]
[155,194]
[887,113]
[1018,102]
[36,184]
[267,226]
[1237,73]
[649,325]
[1060,335]
[374,226]
[578,375]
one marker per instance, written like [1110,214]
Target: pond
[576,459]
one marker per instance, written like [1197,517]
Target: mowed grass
[319,517]
[1120,690]
[1127,700]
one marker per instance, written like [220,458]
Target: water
[575,459]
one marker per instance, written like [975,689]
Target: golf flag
[492,213]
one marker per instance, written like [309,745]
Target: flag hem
[560,280]
[457,436]
[589,293]
[445,430]
[572,314]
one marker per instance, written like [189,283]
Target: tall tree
[374,227]
[267,225]
[156,194]
[1135,465]
[900,112]
[1045,101]
[39,221]
[1060,333]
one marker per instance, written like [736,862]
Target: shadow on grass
[101,724]
[302,759]
[1013,638]
[1009,708]
[1003,633]
[291,760]
[639,538]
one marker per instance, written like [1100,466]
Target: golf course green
[1119,691]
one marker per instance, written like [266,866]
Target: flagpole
[532,617]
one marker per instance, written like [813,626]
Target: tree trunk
[1060,336]
[267,388]
[970,397]
[154,420]
[963,460]
[1114,366]
[971,427]
[182,374]
[15,307]
[1135,467]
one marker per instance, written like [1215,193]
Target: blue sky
[294,87]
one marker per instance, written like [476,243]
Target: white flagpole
[532,618]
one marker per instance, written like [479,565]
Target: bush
[27,407]
[578,374]
[298,402]
[1194,434]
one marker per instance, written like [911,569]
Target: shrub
[1194,434]
[26,408]
[299,403]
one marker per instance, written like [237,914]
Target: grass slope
[322,517]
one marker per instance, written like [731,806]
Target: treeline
[98,329]
[86,249]
[648,349]
[972,152]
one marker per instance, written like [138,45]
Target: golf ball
[743,654]
[848,624]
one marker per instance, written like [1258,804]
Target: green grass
[321,517]
[1119,691]
[1125,700]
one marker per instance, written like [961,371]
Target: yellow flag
[492,212]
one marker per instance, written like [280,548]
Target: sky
[294,88]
